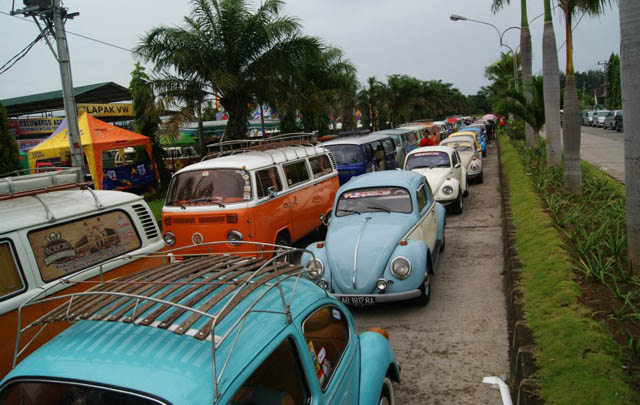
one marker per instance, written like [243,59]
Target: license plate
[358,301]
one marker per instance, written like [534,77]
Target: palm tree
[551,82]
[525,55]
[401,91]
[233,48]
[528,106]
[629,61]
[571,116]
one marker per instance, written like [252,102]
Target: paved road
[604,149]
[447,347]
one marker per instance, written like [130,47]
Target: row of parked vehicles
[207,311]
[607,119]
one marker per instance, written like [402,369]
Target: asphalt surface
[447,347]
[604,149]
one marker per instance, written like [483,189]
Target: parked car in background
[598,118]
[610,120]
[588,118]
[481,143]
[619,122]
[444,129]
[357,155]
[471,157]
[273,195]
[442,167]
[57,235]
[216,329]
[383,241]
[406,139]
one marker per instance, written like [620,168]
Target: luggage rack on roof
[22,183]
[159,296]
[227,148]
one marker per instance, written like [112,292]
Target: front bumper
[372,299]
[447,202]
[474,175]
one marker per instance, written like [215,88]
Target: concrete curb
[523,383]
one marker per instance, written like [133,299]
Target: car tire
[387,394]
[480,179]
[466,191]
[484,153]
[283,240]
[458,206]
[442,245]
[425,292]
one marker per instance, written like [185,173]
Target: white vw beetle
[447,177]
[471,157]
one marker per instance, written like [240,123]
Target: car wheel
[484,153]
[443,242]
[480,179]
[282,240]
[425,292]
[387,395]
[466,191]
[458,205]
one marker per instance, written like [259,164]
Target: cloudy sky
[380,37]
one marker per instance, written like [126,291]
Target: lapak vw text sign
[107,110]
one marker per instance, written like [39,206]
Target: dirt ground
[447,347]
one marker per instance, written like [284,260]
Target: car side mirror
[457,166]
[324,219]
[272,191]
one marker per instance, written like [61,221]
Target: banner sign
[32,126]
[129,176]
[107,110]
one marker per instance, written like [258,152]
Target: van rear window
[209,187]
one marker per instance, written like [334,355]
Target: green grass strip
[576,356]
[589,169]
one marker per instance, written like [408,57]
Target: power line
[76,34]
[11,62]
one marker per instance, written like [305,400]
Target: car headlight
[447,190]
[400,268]
[474,167]
[169,239]
[234,237]
[315,269]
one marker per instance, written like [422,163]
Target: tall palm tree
[551,85]
[571,116]
[529,108]
[401,91]
[525,55]
[629,61]
[233,48]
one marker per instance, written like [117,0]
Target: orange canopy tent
[97,137]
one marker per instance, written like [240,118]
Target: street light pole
[455,17]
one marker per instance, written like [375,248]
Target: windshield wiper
[206,199]
[350,211]
[421,167]
[376,207]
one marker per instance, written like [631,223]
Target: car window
[389,146]
[267,178]
[346,154]
[374,199]
[368,149]
[296,173]
[427,159]
[454,159]
[422,198]
[11,280]
[320,165]
[326,332]
[66,248]
[278,380]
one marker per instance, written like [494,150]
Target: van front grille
[148,223]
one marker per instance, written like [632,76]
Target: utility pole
[53,16]
[606,78]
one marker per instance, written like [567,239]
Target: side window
[454,159]
[11,280]
[296,173]
[278,380]
[422,198]
[267,178]
[326,332]
[389,146]
[368,150]
[320,165]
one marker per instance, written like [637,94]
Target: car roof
[255,159]
[396,131]
[28,211]
[400,178]
[126,352]
[468,133]
[356,140]
[448,149]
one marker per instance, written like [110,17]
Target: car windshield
[212,186]
[346,154]
[61,393]
[428,159]
[374,199]
[460,146]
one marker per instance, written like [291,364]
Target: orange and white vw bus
[268,194]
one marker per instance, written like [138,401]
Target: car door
[428,216]
[457,167]
[301,198]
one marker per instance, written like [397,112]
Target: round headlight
[169,239]
[234,237]
[400,268]
[315,269]
[448,190]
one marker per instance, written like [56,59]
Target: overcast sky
[380,37]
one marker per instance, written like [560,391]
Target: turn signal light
[403,243]
[379,330]
[320,245]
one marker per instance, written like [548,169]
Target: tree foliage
[614,95]
[9,157]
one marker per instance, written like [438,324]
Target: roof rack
[159,296]
[227,148]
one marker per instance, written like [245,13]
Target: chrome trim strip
[355,253]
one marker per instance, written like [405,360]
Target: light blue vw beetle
[383,240]
[216,329]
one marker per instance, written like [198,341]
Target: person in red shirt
[423,142]
[430,141]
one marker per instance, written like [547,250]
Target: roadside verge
[557,348]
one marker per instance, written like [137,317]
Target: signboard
[128,176]
[76,245]
[107,110]
[32,126]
